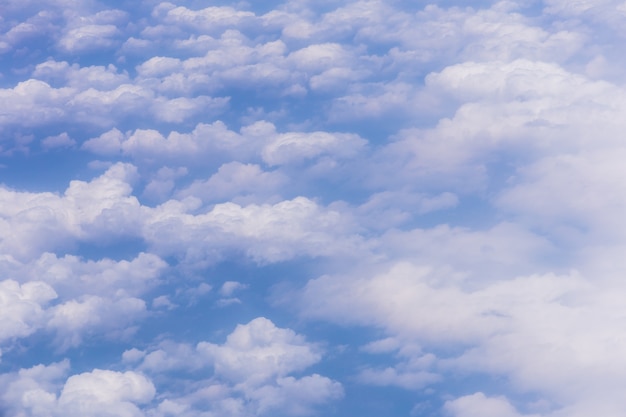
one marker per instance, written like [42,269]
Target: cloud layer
[312,208]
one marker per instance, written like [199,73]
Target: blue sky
[312,208]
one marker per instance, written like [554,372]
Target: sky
[312,208]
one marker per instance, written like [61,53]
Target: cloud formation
[311,208]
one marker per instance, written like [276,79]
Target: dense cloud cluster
[312,208]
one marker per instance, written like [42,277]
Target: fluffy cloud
[523,107]
[74,299]
[36,222]
[296,397]
[105,393]
[104,209]
[72,277]
[35,103]
[251,373]
[93,315]
[92,32]
[237,182]
[59,141]
[22,307]
[549,194]
[258,351]
[39,391]
[32,391]
[541,331]
[265,233]
[259,139]
[455,170]
[215,18]
[89,37]
[294,147]
[478,405]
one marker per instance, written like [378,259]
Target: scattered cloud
[434,189]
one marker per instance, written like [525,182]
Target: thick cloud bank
[307,208]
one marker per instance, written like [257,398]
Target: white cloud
[32,391]
[230,287]
[234,181]
[251,373]
[416,371]
[234,152]
[478,405]
[179,109]
[38,26]
[73,320]
[168,356]
[103,392]
[40,391]
[36,222]
[571,196]
[501,113]
[255,352]
[73,277]
[59,141]
[36,103]
[158,66]
[204,139]
[98,77]
[22,307]
[541,332]
[387,209]
[230,61]
[104,210]
[33,102]
[212,18]
[89,37]
[296,397]
[265,233]
[320,57]
[108,143]
[523,108]
[87,33]
[74,299]
[295,147]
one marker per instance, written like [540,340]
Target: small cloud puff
[60,141]
[229,288]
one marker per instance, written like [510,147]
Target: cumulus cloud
[104,209]
[98,77]
[23,307]
[230,287]
[531,329]
[258,141]
[265,233]
[33,390]
[290,148]
[92,32]
[547,193]
[59,141]
[111,318]
[89,37]
[449,175]
[38,222]
[40,391]
[36,103]
[255,352]
[237,182]
[103,392]
[480,405]
[252,373]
